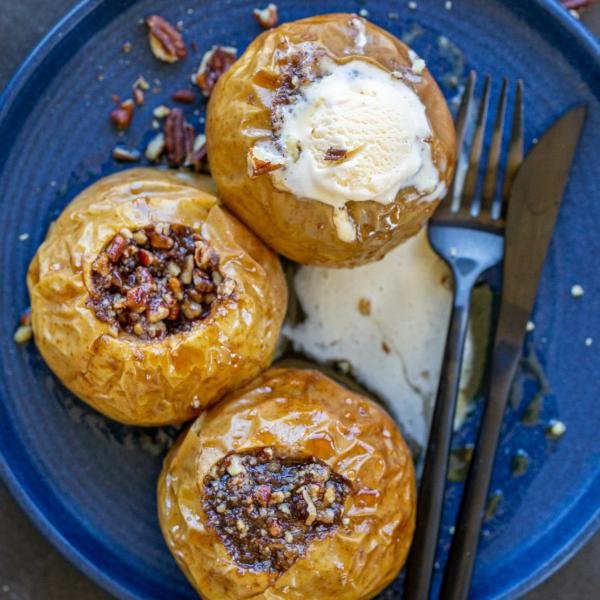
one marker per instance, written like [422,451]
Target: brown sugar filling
[267,509]
[158,280]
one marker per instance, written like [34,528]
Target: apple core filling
[267,508]
[156,281]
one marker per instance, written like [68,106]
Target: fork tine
[461,126]
[468,192]
[515,148]
[489,184]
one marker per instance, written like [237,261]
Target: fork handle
[461,558]
[431,492]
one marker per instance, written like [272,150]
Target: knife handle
[430,499]
[461,559]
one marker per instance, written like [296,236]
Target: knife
[534,203]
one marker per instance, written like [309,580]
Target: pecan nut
[183,96]
[165,41]
[266,17]
[179,137]
[122,115]
[214,63]
[261,161]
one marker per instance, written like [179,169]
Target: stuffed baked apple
[292,487]
[331,140]
[149,301]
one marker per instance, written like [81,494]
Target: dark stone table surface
[30,568]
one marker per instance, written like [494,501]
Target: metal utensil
[467,231]
[534,204]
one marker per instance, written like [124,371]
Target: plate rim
[48,43]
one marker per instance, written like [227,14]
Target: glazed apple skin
[161,381]
[301,412]
[302,229]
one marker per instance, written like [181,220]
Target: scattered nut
[141,83]
[260,160]
[138,96]
[183,96]
[179,137]
[267,17]
[162,111]
[127,47]
[123,154]
[123,114]
[155,147]
[214,63]
[166,42]
[23,334]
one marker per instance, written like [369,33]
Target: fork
[467,232]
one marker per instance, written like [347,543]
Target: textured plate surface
[89,483]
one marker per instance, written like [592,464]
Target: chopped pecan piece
[161,241]
[123,114]
[183,96]
[155,147]
[123,154]
[202,282]
[196,159]
[158,313]
[138,96]
[266,17]
[261,161]
[145,257]
[166,42]
[101,265]
[214,63]
[115,249]
[335,153]
[137,299]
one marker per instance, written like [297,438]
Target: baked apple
[331,140]
[292,487]
[150,301]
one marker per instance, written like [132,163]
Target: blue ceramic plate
[89,483]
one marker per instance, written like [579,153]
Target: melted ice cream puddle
[396,349]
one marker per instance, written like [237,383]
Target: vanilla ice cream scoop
[357,133]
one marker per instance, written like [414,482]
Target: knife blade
[533,208]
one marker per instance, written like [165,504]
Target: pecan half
[123,114]
[214,63]
[179,137]
[266,17]
[165,41]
